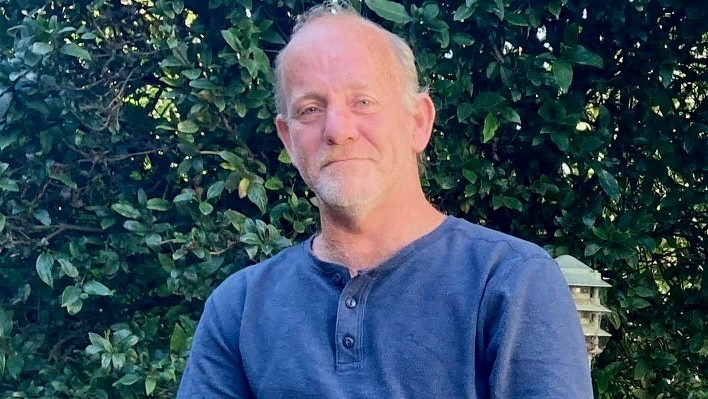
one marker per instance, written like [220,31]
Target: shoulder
[256,277]
[494,246]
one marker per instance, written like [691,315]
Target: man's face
[347,130]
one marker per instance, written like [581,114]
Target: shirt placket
[349,334]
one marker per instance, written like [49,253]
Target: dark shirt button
[351,303]
[337,279]
[348,341]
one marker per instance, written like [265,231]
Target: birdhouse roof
[579,274]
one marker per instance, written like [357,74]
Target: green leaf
[609,184]
[462,38]
[582,56]
[561,140]
[257,194]
[231,39]
[554,7]
[516,19]
[2,222]
[185,196]
[643,292]
[74,50]
[150,384]
[41,48]
[464,110]
[107,222]
[178,340]
[513,203]
[128,379]
[205,208]
[118,360]
[142,197]
[9,185]
[44,264]
[491,124]
[591,249]
[15,364]
[100,342]
[96,288]
[153,240]
[125,210]
[70,295]
[6,324]
[284,158]
[68,268]
[511,115]
[274,184]
[641,369]
[465,11]
[158,204]
[5,101]
[487,101]
[187,126]
[563,73]
[136,227]
[215,189]
[272,37]
[64,178]
[664,359]
[389,10]
[233,160]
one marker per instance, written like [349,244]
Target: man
[391,299]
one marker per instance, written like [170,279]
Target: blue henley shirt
[463,312]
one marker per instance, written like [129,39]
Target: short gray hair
[401,50]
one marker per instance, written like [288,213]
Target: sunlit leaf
[74,50]
[389,10]
[68,268]
[96,288]
[491,124]
[128,379]
[41,48]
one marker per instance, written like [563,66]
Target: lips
[329,162]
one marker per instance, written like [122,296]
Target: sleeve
[533,344]
[214,368]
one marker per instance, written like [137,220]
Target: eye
[308,110]
[364,103]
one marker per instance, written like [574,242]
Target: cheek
[303,152]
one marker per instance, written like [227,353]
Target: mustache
[339,155]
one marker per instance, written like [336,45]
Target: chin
[348,200]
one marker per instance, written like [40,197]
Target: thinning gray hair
[402,51]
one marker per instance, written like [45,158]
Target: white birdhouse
[586,285]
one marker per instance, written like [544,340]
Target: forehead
[338,46]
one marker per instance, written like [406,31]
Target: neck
[366,239]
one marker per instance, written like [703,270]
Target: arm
[214,368]
[533,341]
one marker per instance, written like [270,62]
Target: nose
[340,126]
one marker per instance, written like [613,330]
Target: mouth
[337,161]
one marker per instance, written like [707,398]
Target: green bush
[139,167]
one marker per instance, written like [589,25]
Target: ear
[423,119]
[281,126]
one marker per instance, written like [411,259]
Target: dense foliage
[139,167]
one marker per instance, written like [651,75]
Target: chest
[394,338]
